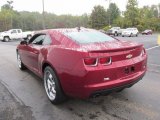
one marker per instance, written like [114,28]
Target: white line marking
[152,47]
[155,71]
[154,65]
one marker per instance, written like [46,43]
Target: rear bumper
[90,82]
[114,89]
[81,90]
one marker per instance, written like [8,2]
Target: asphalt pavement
[22,95]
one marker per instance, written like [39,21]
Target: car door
[13,34]
[19,34]
[34,52]
[31,52]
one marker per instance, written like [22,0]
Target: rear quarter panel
[68,64]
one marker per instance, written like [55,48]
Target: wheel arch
[44,65]
[6,36]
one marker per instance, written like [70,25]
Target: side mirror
[23,42]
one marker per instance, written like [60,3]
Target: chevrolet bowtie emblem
[129,56]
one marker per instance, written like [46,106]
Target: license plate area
[125,71]
[129,70]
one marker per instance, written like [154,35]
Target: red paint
[69,60]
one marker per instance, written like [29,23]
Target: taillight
[90,61]
[105,60]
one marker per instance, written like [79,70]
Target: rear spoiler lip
[116,49]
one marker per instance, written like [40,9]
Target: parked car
[116,31]
[130,32]
[82,63]
[103,31]
[147,32]
[15,34]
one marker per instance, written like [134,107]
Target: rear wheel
[52,86]
[20,63]
[131,35]
[29,37]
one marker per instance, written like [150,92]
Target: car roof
[64,30]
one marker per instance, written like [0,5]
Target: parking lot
[22,94]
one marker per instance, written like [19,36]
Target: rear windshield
[85,37]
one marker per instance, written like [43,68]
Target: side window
[19,31]
[47,40]
[14,31]
[38,40]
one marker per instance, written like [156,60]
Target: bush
[140,27]
[106,28]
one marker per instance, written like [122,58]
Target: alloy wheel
[6,39]
[19,61]
[50,86]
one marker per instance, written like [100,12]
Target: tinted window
[19,31]
[85,37]
[38,40]
[47,40]
[14,31]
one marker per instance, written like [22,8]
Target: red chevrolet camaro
[82,63]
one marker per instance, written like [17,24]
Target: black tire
[29,37]
[130,35]
[52,86]
[6,39]
[116,34]
[20,63]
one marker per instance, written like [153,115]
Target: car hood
[4,33]
[109,46]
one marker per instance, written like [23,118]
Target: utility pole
[43,20]
[11,7]
[109,14]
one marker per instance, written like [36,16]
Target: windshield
[129,29]
[115,28]
[86,37]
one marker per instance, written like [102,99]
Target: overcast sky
[74,7]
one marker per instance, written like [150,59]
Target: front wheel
[6,39]
[52,86]
[115,34]
[20,63]
[131,35]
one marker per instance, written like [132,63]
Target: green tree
[98,17]
[113,13]
[132,13]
